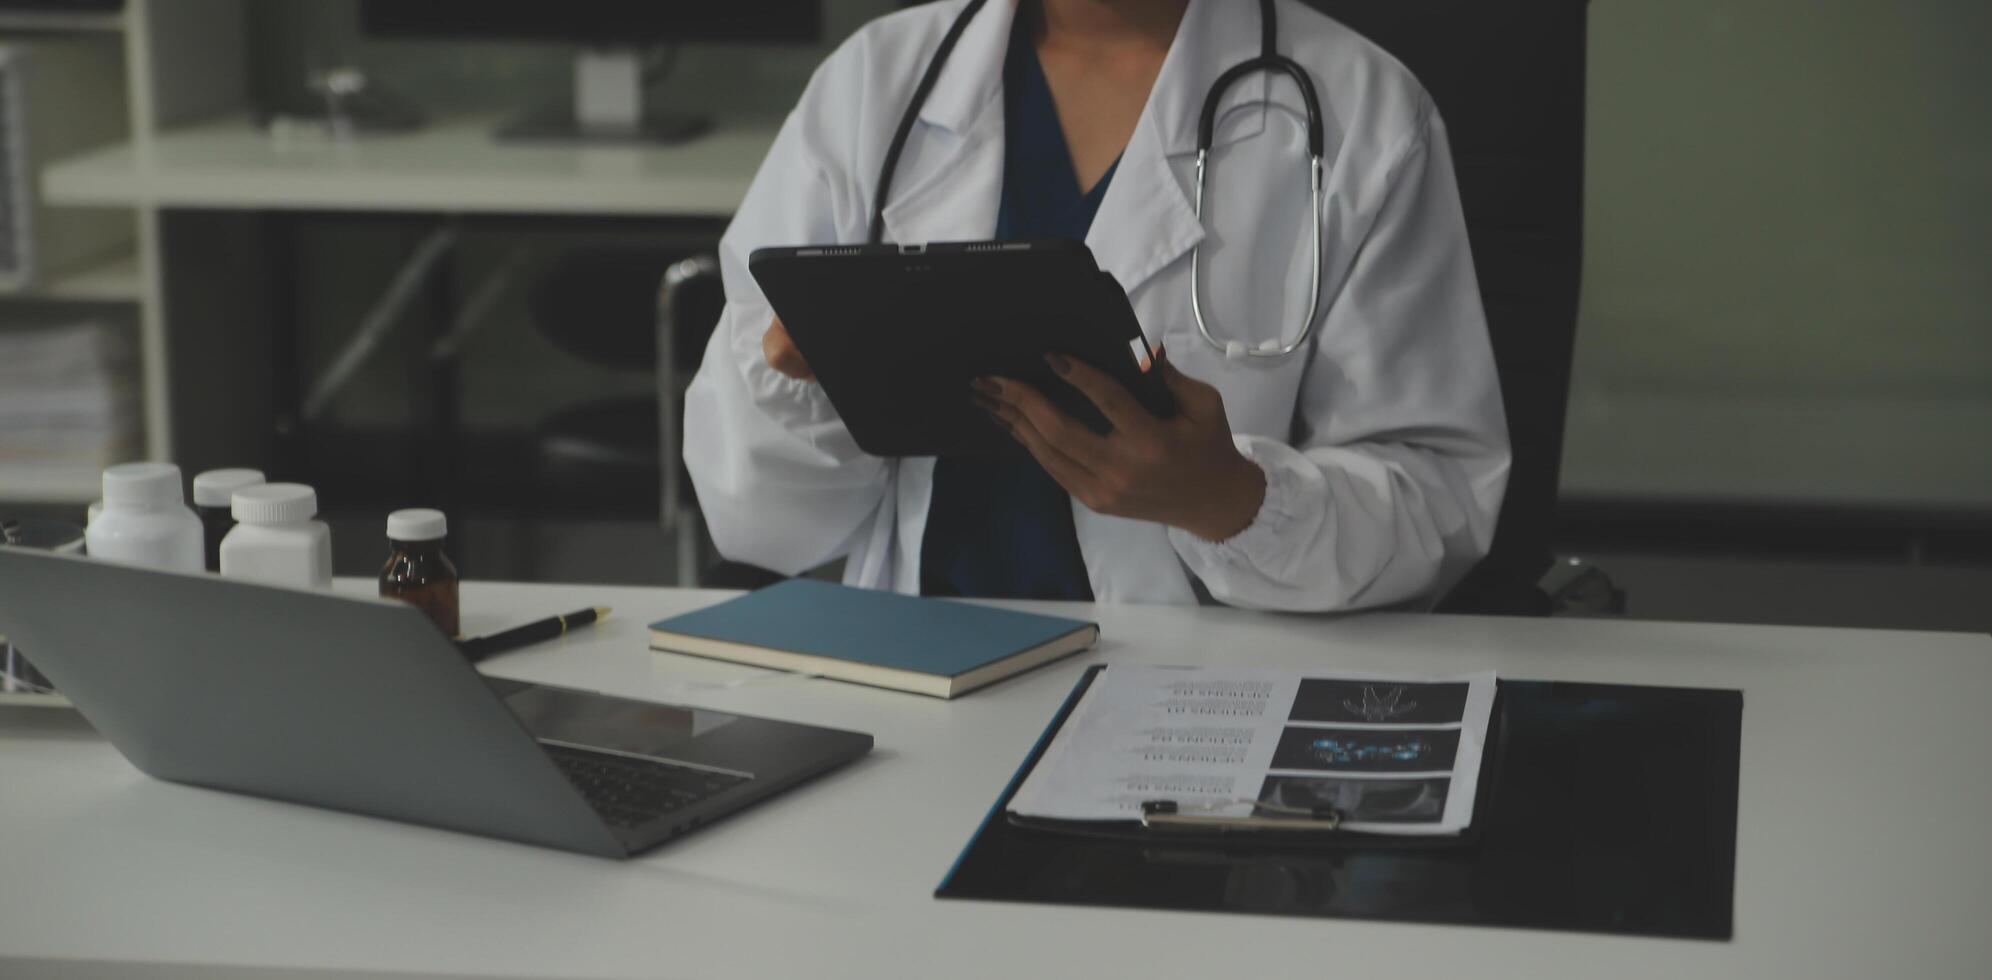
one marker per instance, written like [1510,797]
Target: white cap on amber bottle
[417,524]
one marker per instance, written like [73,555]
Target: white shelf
[450,165]
[26,20]
[26,485]
[113,280]
[8,700]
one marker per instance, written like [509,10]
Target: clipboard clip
[1169,815]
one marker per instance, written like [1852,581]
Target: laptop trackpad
[617,724]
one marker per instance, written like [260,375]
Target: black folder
[1602,808]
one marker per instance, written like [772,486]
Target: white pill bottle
[275,541]
[145,520]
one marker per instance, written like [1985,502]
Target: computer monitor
[608,73]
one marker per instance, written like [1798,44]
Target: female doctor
[1364,467]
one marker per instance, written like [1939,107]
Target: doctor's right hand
[782,355]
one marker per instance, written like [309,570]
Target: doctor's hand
[781,353]
[1184,471]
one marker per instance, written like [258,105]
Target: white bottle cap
[417,524]
[142,486]
[274,503]
[216,488]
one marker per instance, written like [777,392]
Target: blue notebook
[926,646]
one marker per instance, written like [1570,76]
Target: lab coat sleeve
[779,479]
[1390,488]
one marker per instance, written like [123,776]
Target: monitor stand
[608,108]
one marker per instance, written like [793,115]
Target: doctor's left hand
[1184,471]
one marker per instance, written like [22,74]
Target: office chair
[595,303]
[625,308]
[1508,78]
[690,300]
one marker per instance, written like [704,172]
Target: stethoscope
[1269,59]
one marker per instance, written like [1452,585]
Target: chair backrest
[599,303]
[1508,78]
[696,296]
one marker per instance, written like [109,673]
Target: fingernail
[986,386]
[1058,363]
[985,403]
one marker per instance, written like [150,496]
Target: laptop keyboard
[632,792]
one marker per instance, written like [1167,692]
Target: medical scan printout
[1393,755]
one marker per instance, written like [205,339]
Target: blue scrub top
[1002,528]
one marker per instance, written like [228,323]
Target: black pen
[477,648]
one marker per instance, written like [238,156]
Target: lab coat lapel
[955,198]
[1148,219]
[950,180]
[1147,223]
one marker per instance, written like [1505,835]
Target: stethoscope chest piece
[1235,349]
[1271,61]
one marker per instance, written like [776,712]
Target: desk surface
[1861,851]
[452,165]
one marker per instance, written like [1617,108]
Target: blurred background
[356,244]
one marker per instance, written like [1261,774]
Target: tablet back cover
[896,336]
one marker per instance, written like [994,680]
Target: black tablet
[895,333]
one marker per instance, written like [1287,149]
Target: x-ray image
[1367,750]
[1420,800]
[1395,756]
[1378,702]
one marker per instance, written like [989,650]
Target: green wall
[1790,197]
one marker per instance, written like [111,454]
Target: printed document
[1391,755]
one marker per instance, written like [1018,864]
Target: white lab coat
[1383,440]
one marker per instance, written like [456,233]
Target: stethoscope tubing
[1236,349]
[1269,60]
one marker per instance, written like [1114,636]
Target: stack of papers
[1390,755]
[69,401]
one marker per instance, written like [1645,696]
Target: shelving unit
[23,22]
[183,60]
[33,701]
[215,198]
[113,280]
[44,487]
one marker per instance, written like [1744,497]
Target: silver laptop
[362,706]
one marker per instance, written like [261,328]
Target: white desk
[452,165]
[1862,847]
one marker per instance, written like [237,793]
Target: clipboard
[1607,808]
[1162,823]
